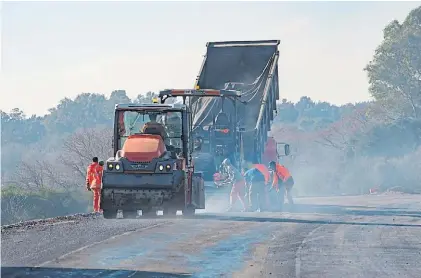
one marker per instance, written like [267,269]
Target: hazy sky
[52,50]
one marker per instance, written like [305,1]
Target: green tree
[145,98]
[86,111]
[17,128]
[395,76]
[287,112]
[395,71]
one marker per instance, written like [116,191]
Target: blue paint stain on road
[133,250]
[225,257]
[138,249]
[113,257]
[229,255]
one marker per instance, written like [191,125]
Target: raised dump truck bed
[252,68]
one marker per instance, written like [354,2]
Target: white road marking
[298,253]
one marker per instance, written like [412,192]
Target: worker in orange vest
[256,179]
[93,181]
[282,182]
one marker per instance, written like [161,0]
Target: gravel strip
[31,245]
[46,221]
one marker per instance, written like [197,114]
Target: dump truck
[152,167]
[237,130]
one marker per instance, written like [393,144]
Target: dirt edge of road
[47,221]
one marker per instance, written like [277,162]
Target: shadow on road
[333,210]
[292,220]
[352,210]
[38,272]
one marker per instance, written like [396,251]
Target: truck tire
[109,214]
[130,214]
[149,213]
[169,212]
[189,211]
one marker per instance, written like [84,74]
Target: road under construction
[355,236]
[228,112]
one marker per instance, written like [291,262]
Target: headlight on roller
[110,166]
[117,167]
[161,167]
[168,167]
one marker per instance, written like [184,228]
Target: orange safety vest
[94,175]
[281,173]
[264,170]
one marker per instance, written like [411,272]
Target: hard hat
[154,100]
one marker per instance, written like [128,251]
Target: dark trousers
[289,183]
[277,198]
[257,197]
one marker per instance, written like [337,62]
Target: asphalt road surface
[362,236]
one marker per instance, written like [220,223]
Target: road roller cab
[151,168]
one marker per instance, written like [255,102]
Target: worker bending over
[93,181]
[256,179]
[282,182]
[235,178]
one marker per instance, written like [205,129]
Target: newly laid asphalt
[359,236]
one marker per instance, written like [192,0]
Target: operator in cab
[153,127]
[282,182]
